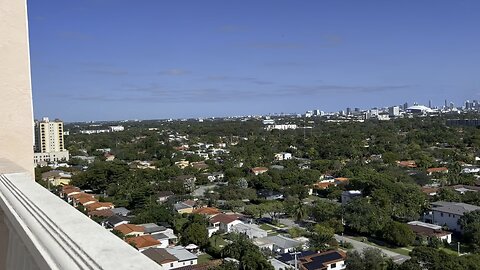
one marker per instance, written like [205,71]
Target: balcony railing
[38,230]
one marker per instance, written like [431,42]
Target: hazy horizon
[114,60]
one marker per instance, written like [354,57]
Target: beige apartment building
[49,142]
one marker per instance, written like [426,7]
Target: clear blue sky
[151,59]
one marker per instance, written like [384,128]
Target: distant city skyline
[113,60]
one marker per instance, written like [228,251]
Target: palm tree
[300,211]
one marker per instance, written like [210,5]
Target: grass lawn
[266,227]
[401,250]
[280,225]
[449,251]
[204,258]
[217,241]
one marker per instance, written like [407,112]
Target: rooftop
[454,207]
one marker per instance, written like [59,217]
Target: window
[171,265]
[441,214]
[333,265]
[191,262]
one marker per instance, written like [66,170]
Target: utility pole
[458,248]
[295,256]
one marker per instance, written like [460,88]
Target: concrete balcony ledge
[38,230]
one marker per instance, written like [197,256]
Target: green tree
[246,253]
[195,233]
[398,234]
[470,223]
[369,259]
[321,237]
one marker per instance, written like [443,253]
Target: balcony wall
[44,232]
[16,123]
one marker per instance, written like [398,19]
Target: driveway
[359,246]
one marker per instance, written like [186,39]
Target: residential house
[341,180]
[188,181]
[289,258]
[82,198]
[225,222]
[470,169]
[121,211]
[430,190]
[216,176]
[114,221]
[57,177]
[130,229]
[200,165]
[349,195]
[259,170]
[250,230]
[182,164]
[184,207]
[185,258]
[407,164]
[164,235]
[109,157]
[141,164]
[329,260]
[171,258]
[278,243]
[68,191]
[278,265]
[164,195]
[207,211]
[99,206]
[283,156]
[162,257]
[431,171]
[269,195]
[462,189]
[324,184]
[448,213]
[422,229]
[106,213]
[143,242]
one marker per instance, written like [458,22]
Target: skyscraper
[49,142]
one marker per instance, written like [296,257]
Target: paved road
[359,246]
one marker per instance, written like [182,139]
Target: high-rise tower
[49,142]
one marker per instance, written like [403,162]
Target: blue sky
[152,59]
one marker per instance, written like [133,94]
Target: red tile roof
[407,163]
[323,185]
[435,170]
[142,241]
[224,218]
[259,169]
[101,213]
[97,205]
[129,228]
[208,211]
[342,179]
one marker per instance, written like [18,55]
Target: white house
[250,230]
[171,258]
[448,213]
[430,230]
[225,222]
[278,243]
[283,156]
[470,169]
